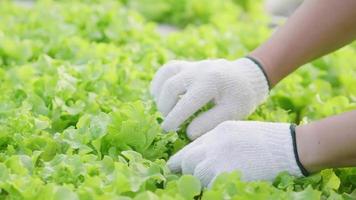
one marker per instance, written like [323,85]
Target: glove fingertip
[206,173]
[162,107]
[193,132]
[174,164]
[167,125]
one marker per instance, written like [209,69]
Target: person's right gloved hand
[180,88]
[260,150]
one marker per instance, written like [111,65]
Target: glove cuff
[282,147]
[262,69]
[255,77]
[295,147]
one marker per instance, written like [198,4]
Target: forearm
[315,29]
[328,143]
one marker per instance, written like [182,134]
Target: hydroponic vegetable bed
[76,119]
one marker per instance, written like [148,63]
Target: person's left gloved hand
[181,88]
[260,150]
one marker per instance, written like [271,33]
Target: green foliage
[76,118]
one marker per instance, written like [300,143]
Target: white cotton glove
[259,150]
[181,88]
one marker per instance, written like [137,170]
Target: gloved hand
[181,88]
[260,150]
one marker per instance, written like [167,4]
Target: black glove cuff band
[300,165]
[262,69]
